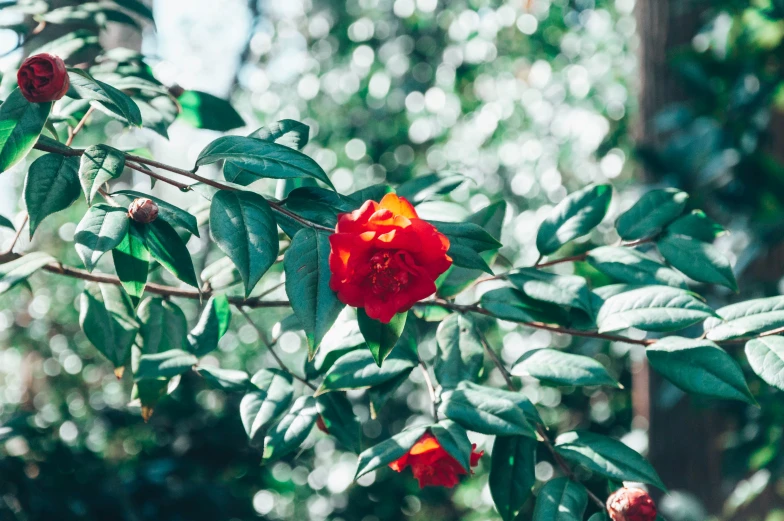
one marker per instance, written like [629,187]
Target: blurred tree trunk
[684,440]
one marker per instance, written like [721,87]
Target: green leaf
[169,250]
[557,367]
[380,394]
[576,215]
[99,164]
[18,270]
[466,241]
[766,357]
[606,456]
[454,440]
[166,211]
[457,278]
[68,44]
[84,86]
[655,210]
[484,410]
[51,185]
[699,367]
[746,319]
[339,418]
[654,308]
[158,111]
[132,261]
[306,265]
[262,159]
[698,225]
[21,122]
[164,365]
[260,408]
[106,316]
[511,304]
[699,260]
[460,353]
[202,110]
[424,187]
[102,228]
[388,450]
[379,337]
[358,370]
[512,473]
[137,7]
[562,290]
[292,429]
[632,267]
[212,325]
[561,500]
[242,225]
[5,222]
[230,380]
[287,132]
[163,326]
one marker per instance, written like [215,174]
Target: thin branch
[10,249]
[182,186]
[271,349]
[79,126]
[540,429]
[430,389]
[72,152]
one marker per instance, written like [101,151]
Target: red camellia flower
[631,504]
[385,259]
[432,465]
[43,78]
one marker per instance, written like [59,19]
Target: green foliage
[561,500]
[651,213]
[51,185]
[512,473]
[576,215]
[99,164]
[21,122]
[555,367]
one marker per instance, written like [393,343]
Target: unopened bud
[321,425]
[631,504]
[143,210]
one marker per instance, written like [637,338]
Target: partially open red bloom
[385,259]
[432,465]
[43,78]
[631,504]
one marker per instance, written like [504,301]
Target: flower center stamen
[386,276]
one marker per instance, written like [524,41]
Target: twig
[79,126]
[271,349]
[18,234]
[431,390]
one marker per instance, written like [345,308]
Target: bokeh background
[529,100]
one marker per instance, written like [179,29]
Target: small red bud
[321,425]
[43,78]
[631,504]
[143,210]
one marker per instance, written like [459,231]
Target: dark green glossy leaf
[164,365]
[576,215]
[166,211]
[699,260]
[18,270]
[562,290]
[163,326]
[358,370]
[169,250]
[424,187]
[606,456]
[561,500]
[466,241]
[84,86]
[633,267]
[654,308]
[102,228]
[339,419]
[454,440]
[379,337]
[242,225]
[99,164]
[260,408]
[132,261]
[292,429]
[51,185]
[480,409]
[460,352]
[287,132]
[655,210]
[230,380]
[306,265]
[698,225]
[557,367]
[21,122]
[203,110]
[699,367]
[107,319]
[746,319]
[212,325]
[512,473]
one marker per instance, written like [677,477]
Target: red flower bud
[631,504]
[43,78]
[321,425]
[143,210]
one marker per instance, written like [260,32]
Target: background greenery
[529,99]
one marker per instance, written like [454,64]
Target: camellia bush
[396,278]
